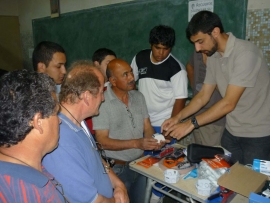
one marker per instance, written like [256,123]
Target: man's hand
[180,130]
[148,144]
[120,195]
[167,124]
[162,143]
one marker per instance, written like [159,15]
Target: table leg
[148,190]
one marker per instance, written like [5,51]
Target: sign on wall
[199,5]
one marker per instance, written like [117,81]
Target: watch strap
[194,122]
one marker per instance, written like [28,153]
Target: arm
[134,67]
[120,191]
[190,74]
[179,104]
[148,130]
[195,105]
[108,143]
[220,109]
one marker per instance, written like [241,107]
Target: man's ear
[96,64]
[41,68]
[112,80]
[85,96]
[37,122]
[215,32]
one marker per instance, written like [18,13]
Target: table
[155,174]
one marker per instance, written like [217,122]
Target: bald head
[120,75]
[115,65]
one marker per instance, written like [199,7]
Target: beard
[213,50]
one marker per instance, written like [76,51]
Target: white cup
[171,176]
[203,187]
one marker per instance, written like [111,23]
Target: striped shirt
[23,184]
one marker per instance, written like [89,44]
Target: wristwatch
[107,168]
[194,122]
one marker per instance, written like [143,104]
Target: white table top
[186,187]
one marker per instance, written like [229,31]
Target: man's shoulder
[174,62]
[143,53]
[108,97]
[21,172]
[136,94]
[244,45]
[240,45]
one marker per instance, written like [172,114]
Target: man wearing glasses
[29,128]
[76,162]
[123,126]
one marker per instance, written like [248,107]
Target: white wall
[258,4]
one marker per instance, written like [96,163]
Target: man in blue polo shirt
[76,162]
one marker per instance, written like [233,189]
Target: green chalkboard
[125,27]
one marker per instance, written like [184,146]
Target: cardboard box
[242,180]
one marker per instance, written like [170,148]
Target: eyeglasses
[131,117]
[59,188]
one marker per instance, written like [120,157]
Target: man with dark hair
[211,133]
[239,70]
[29,128]
[101,58]
[162,78]
[49,58]
[76,162]
[123,126]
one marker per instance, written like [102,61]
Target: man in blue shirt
[76,162]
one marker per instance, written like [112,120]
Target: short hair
[81,78]
[100,54]
[205,22]
[2,72]
[23,93]
[108,73]
[44,52]
[162,34]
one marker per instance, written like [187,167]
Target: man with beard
[237,67]
[123,127]
[211,133]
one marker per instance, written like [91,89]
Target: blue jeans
[245,149]
[134,182]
